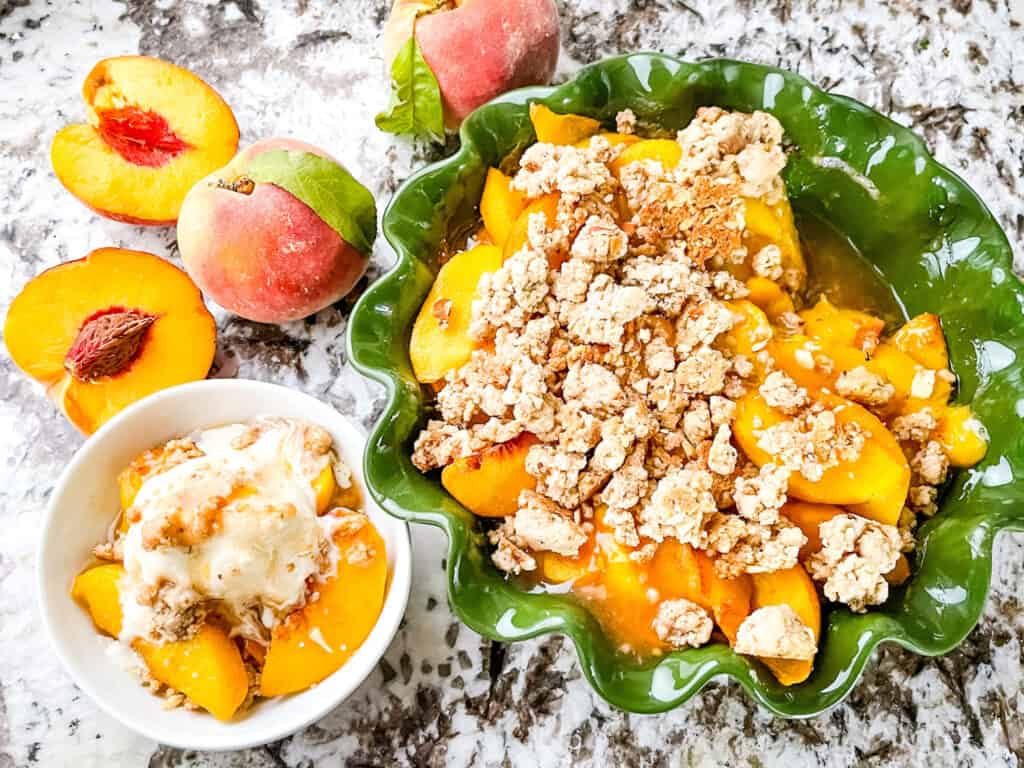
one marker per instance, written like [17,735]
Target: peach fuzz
[260,252]
[153,130]
[478,49]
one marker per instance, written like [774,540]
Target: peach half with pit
[279,233]
[104,331]
[475,49]
[154,129]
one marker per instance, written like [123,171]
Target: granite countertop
[444,696]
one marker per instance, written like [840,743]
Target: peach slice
[519,234]
[728,599]
[773,225]
[808,518]
[324,486]
[876,484]
[921,338]
[500,206]
[554,128]
[316,641]
[440,336]
[107,330]
[279,233]
[845,327]
[207,667]
[792,587]
[769,296]
[961,435]
[488,483]
[154,130]
[675,573]
[97,589]
[751,332]
[668,152]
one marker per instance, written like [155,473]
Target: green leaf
[416,106]
[326,187]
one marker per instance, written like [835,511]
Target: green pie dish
[927,233]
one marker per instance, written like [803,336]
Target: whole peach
[259,251]
[478,49]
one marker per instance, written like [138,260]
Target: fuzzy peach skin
[264,255]
[480,48]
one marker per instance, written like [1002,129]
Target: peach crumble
[634,380]
[241,566]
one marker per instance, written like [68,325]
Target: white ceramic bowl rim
[84,652]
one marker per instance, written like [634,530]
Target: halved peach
[440,336]
[107,330]
[500,206]
[154,130]
[792,587]
[316,641]
[554,128]
[488,483]
[875,484]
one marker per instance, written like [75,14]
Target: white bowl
[83,506]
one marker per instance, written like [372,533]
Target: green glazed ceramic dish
[926,232]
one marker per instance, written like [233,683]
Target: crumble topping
[855,555]
[776,632]
[865,387]
[682,623]
[812,442]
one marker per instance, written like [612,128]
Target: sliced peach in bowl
[488,483]
[104,331]
[792,587]
[440,339]
[874,485]
[154,129]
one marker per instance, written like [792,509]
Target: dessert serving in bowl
[211,571]
[726,401]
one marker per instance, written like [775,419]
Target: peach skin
[477,49]
[259,250]
[154,129]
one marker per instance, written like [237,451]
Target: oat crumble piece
[863,386]
[914,427]
[759,498]
[542,525]
[722,456]
[767,262]
[741,546]
[922,499]
[682,623]
[782,393]
[680,506]
[510,554]
[930,463]
[776,632]
[923,384]
[812,442]
[625,122]
[855,555]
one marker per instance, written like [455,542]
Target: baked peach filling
[241,566]
[665,397]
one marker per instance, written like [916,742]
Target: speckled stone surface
[443,696]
